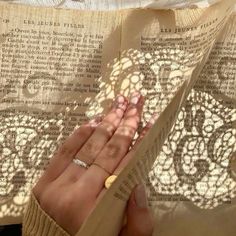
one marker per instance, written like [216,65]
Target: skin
[68,189]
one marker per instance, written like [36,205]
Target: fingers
[117,147]
[103,132]
[66,152]
[119,144]
[129,156]
[139,217]
[124,162]
[106,145]
[95,142]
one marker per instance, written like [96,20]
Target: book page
[101,222]
[192,183]
[151,57]
[90,89]
[50,65]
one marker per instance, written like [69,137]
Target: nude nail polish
[120,99]
[135,98]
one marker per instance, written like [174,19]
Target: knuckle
[65,149]
[112,150]
[106,128]
[91,148]
[83,130]
[126,131]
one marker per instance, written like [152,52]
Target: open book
[60,67]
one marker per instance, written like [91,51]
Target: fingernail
[135,98]
[120,99]
[140,197]
[153,119]
[120,103]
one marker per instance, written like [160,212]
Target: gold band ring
[96,164]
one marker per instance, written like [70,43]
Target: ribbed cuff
[37,223]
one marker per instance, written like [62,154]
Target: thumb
[139,217]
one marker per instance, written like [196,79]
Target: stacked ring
[109,180]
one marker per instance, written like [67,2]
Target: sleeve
[36,222]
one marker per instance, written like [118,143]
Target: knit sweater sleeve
[36,222]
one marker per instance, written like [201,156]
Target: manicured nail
[140,197]
[135,98]
[120,103]
[120,99]
[152,120]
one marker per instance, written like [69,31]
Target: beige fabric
[37,223]
[117,4]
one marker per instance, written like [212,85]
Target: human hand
[71,190]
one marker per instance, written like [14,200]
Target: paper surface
[207,118]
[176,182]
[59,68]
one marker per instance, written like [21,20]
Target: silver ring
[81,163]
